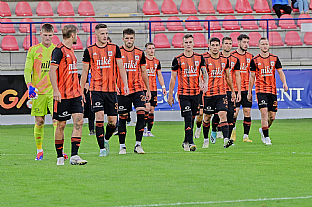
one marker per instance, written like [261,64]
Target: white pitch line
[219,202]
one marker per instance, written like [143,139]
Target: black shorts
[189,103]
[267,100]
[244,101]
[214,104]
[231,104]
[62,110]
[153,100]
[104,101]
[125,102]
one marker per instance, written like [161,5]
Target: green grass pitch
[247,174]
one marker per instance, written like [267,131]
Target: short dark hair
[263,38]
[242,36]
[128,31]
[100,25]
[68,30]
[109,39]
[47,27]
[149,43]
[226,38]
[214,39]
[187,36]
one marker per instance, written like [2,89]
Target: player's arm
[174,69]
[238,80]
[161,79]
[85,71]
[56,57]
[251,79]
[123,75]
[281,74]
[204,74]
[145,76]
[27,74]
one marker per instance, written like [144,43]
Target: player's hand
[170,100]
[238,97]
[204,88]
[126,89]
[148,95]
[285,87]
[233,97]
[57,95]
[249,97]
[118,91]
[83,98]
[164,91]
[32,91]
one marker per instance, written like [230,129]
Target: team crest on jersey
[259,64]
[232,64]
[110,53]
[155,65]
[248,60]
[196,63]
[272,63]
[223,65]
[137,57]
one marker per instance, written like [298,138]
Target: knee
[61,125]
[40,122]
[207,118]
[272,117]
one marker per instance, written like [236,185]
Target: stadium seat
[214,25]
[26,42]
[94,39]
[307,38]
[300,21]
[4,9]
[287,24]
[44,9]
[193,25]
[187,7]
[249,24]
[292,38]
[161,41]
[310,5]
[85,8]
[230,25]
[25,28]
[224,7]
[68,19]
[275,39]
[23,9]
[9,43]
[78,46]
[174,26]
[206,7]
[150,7]
[157,26]
[177,40]
[55,40]
[169,7]
[293,9]
[200,40]
[65,8]
[254,39]
[7,28]
[243,6]
[261,6]
[263,24]
[50,20]
[234,36]
[218,35]
[86,26]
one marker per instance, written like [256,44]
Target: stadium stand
[263,24]
[78,45]
[69,19]
[169,7]
[23,9]
[4,9]
[230,25]
[44,9]
[243,6]
[200,40]
[85,8]
[234,36]
[50,20]
[65,8]
[161,41]
[287,24]
[177,40]
[254,39]
[275,39]
[150,7]
[187,7]
[300,21]
[55,40]
[174,26]
[224,7]
[9,43]
[310,5]
[249,24]
[25,28]
[206,7]
[86,26]
[214,25]
[157,26]
[7,28]
[307,38]
[192,26]
[94,39]
[292,38]
[218,35]
[26,42]
[261,6]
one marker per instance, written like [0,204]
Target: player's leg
[150,121]
[230,115]
[59,141]
[199,120]
[100,132]
[146,118]
[209,110]
[214,130]
[247,119]
[206,127]
[39,134]
[264,126]
[139,101]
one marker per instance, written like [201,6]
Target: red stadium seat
[78,46]
[55,40]
[275,39]
[23,9]
[177,40]
[193,25]
[161,41]
[150,7]
[307,38]
[218,35]
[86,26]
[300,21]
[50,20]
[243,6]
[234,36]
[26,42]
[4,9]
[85,8]
[9,43]
[214,25]
[187,7]
[174,26]
[261,6]
[44,9]
[65,8]
[230,25]
[292,38]
[200,40]
[254,39]
[293,9]
[310,5]
[169,7]
[68,19]
[249,24]
[25,28]
[287,24]
[157,26]
[94,39]
[263,24]
[224,7]
[7,28]
[206,7]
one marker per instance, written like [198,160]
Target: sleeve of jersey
[202,61]
[143,60]
[237,65]
[278,64]
[175,65]
[56,57]
[118,53]
[28,66]
[159,66]
[86,56]
[252,65]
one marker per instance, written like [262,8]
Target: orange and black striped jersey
[152,66]
[102,62]
[216,68]
[67,71]
[265,67]
[234,66]
[132,61]
[188,69]
[244,61]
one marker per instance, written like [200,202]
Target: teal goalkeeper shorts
[41,104]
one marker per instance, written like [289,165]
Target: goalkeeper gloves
[32,92]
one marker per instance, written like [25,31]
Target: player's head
[101,33]
[109,39]
[69,31]
[46,33]
[243,42]
[227,44]
[128,37]
[214,45]
[188,43]
[150,49]
[264,44]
